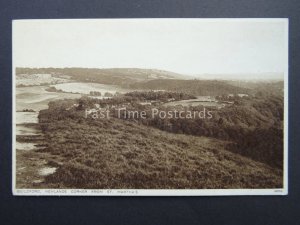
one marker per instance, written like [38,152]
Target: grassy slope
[120,154]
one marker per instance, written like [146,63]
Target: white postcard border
[157,192]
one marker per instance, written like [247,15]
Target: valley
[57,147]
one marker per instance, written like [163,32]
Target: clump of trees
[28,110]
[53,89]
[160,95]
[95,93]
[108,94]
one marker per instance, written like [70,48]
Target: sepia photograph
[150,107]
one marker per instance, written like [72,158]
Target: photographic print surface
[150,107]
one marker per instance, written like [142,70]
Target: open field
[38,79]
[86,88]
[37,98]
[193,102]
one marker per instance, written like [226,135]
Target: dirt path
[32,163]
[32,167]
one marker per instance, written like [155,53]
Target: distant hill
[267,87]
[193,87]
[116,76]
[263,76]
[148,79]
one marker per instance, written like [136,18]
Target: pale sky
[186,46]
